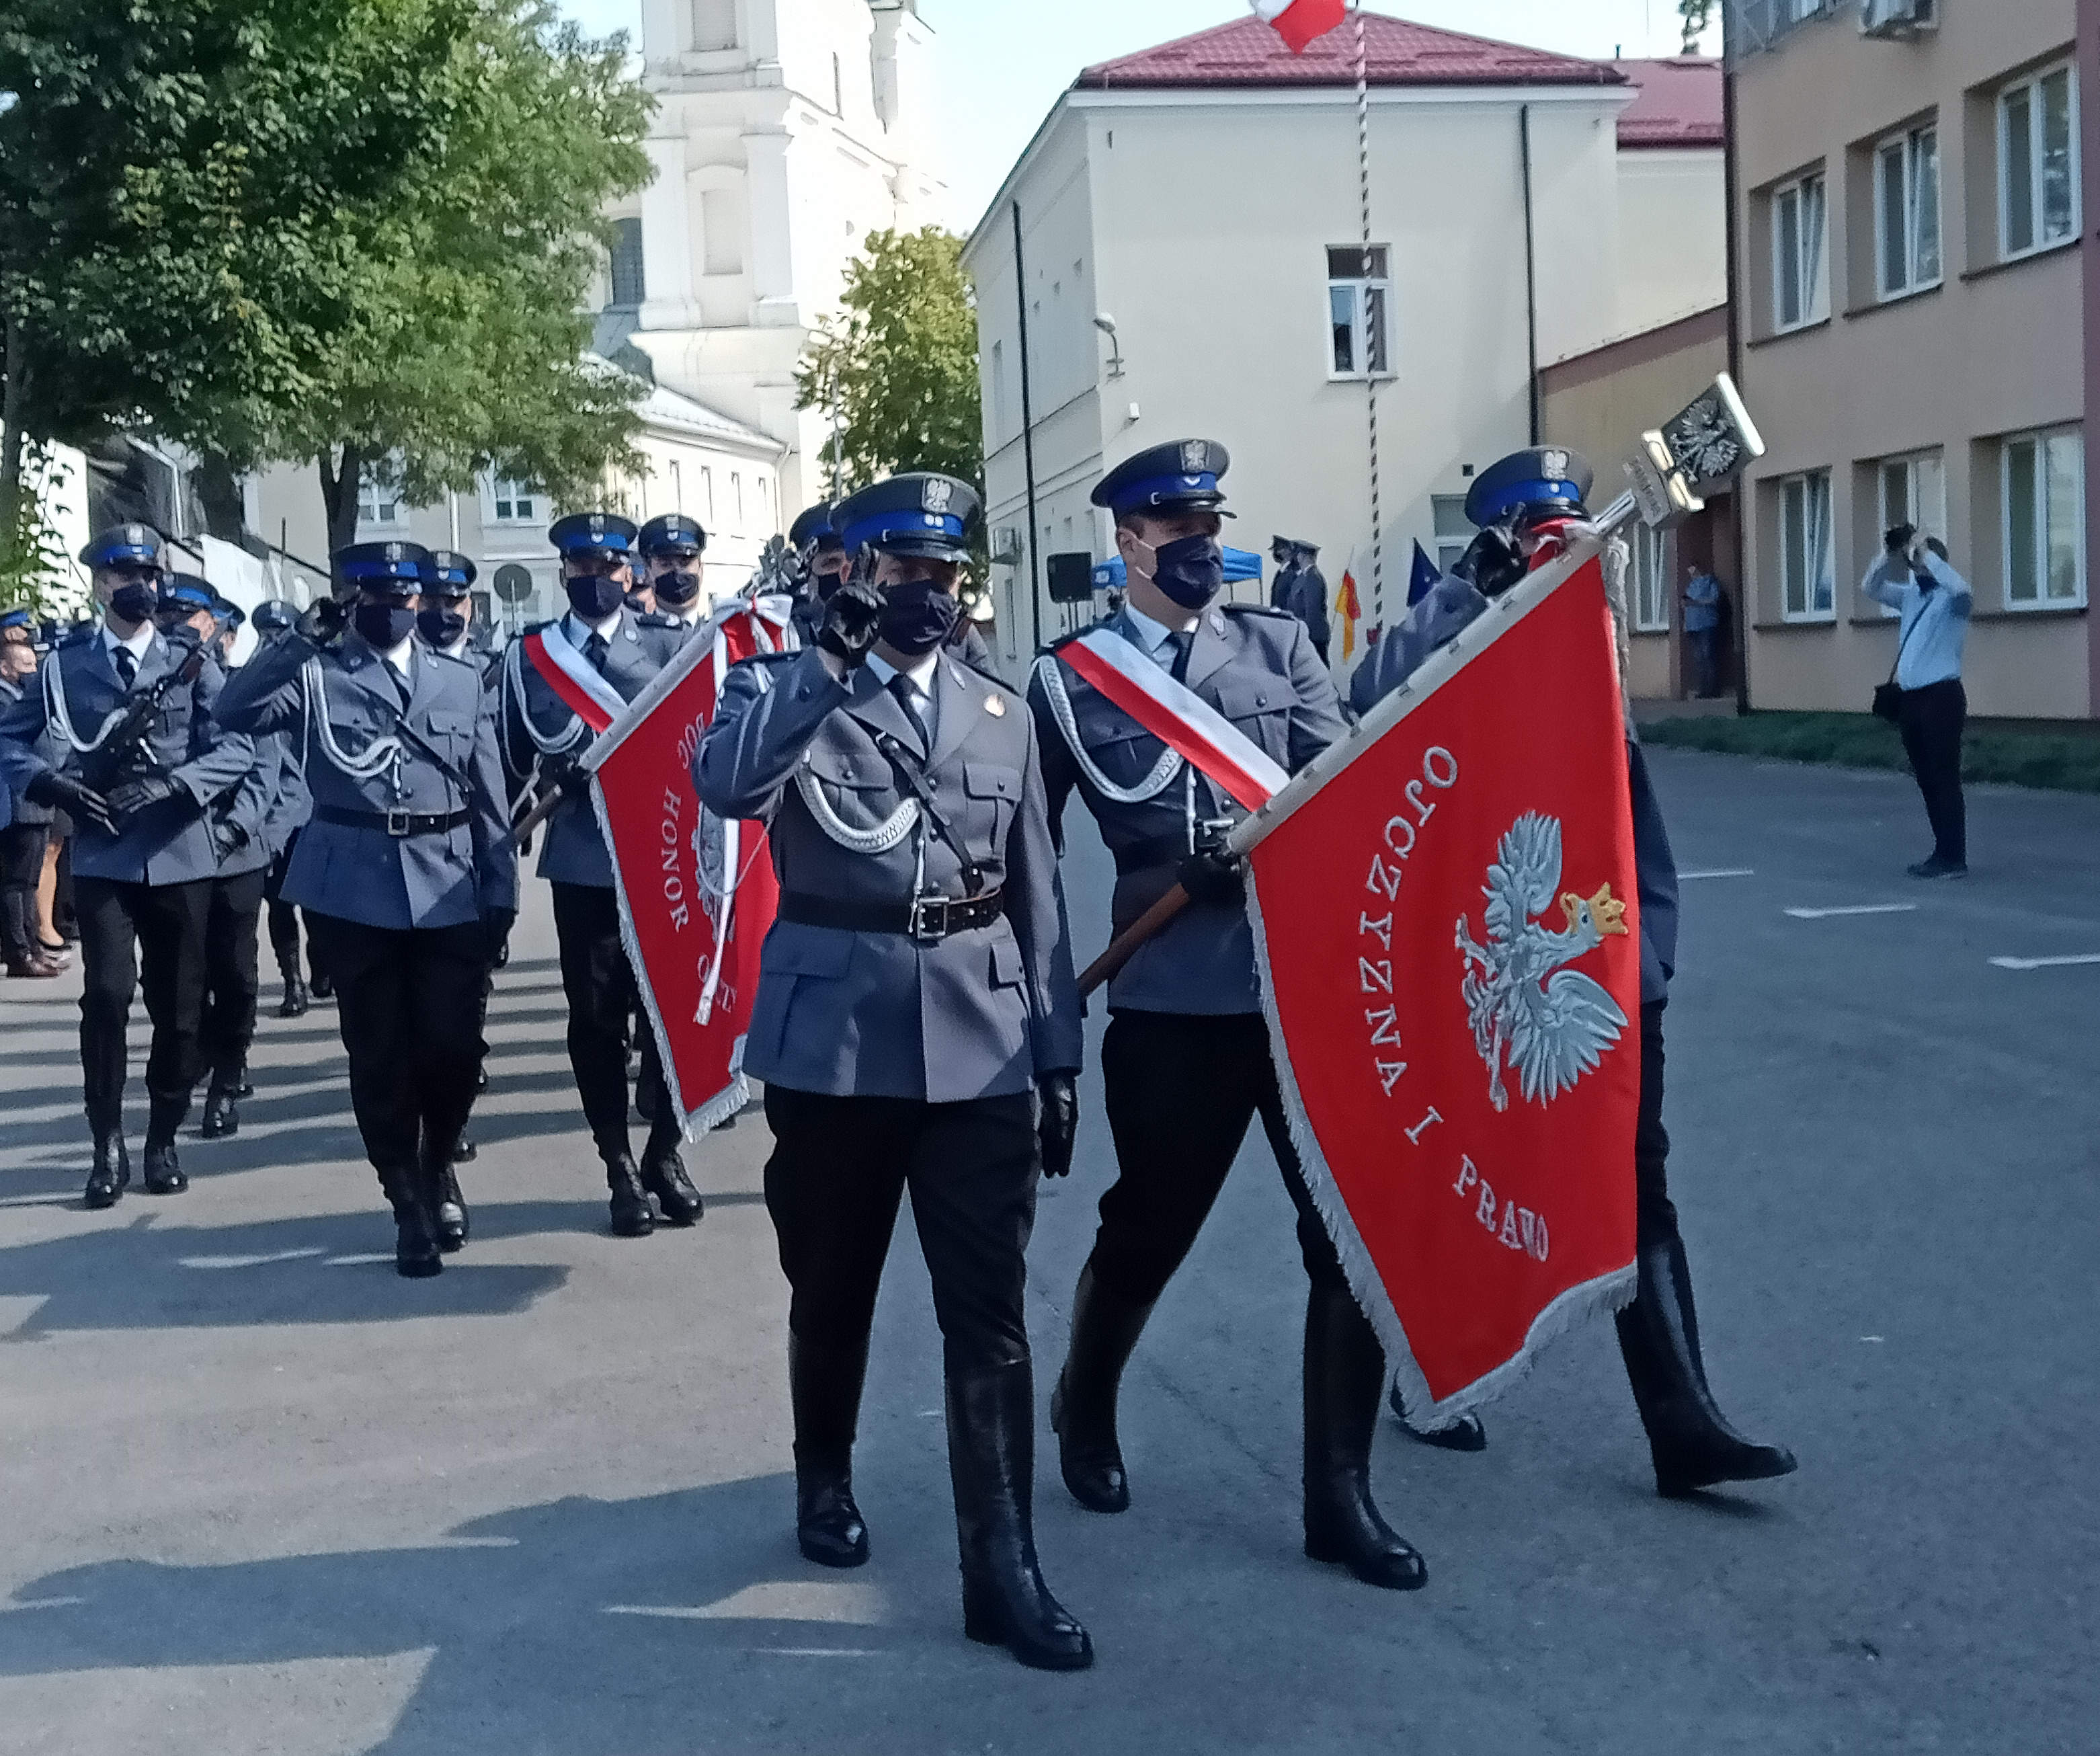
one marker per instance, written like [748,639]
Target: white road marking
[1732,871]
[1857,908]
[2045,963]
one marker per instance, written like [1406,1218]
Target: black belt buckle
[398,823]
[927,921]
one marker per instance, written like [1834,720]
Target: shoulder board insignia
[1258,608]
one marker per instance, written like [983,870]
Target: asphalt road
[260,1495]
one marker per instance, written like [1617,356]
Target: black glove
[323,623]
[495,925]
[1493,562]
[850,616]
[134,796]
[566,775]
[1213,878]
[62,793]
[1897,537]
[1058,1123]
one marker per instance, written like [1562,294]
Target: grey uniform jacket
[342,715]
[290,802]
[534,719]
[1303,591]
[1258,668]
[26,813]
[1437,619]
[979,1013]
[170,843]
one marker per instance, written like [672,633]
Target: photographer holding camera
[1912,577]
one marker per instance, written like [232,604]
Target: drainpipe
[1027,430]
[1740,492]
[1530,271]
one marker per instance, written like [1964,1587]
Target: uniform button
[1261,701]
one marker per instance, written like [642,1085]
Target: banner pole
[1370,361]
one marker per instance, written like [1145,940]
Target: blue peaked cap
[187,592]
[16,617]
[374,564]
[593,532]
[921,513]
[1547,477]
[448,572]
[1179,476]
[122,543]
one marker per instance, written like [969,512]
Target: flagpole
[1370,364]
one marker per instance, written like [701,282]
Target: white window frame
[1651,580]
[1796,567]
[2038,239]
[1924,475]
[1367,299]
[2047,445]
[1906,147]
[510,503]
[715,18]
[620,256]
[380,510]
[1453,530]
[1812,300]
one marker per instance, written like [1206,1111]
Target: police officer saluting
[914,992]
[1185,1062]
[542,734]
[406,869]
[825,566]
[132,707]
[671,547]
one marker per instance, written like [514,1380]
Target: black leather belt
[1149,854]
[394,822]
[926,919]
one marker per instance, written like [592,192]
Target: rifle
[126,752]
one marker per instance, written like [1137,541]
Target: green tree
[899,365]
[1696,15]
[467,348]
[181,184]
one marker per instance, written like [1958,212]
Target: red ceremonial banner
[697,892]
[1449,942]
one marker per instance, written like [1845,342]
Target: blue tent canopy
[1240,564]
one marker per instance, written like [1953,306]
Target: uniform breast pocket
[1007,970]
[1260,707]
[453,733]
[993,787]
[860,788]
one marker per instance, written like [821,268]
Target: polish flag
[1298,22]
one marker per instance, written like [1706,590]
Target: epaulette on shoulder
[1258,609]
[536,627]
[74,636]
[988,674]
[657,619]
[771,658]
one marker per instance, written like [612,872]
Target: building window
[736,500]
[764,506]
[1359,312]
[714,25]
[379,505]
[1912,491]
[1807,586]
[512,502]
[838,87]
[1906,211]
[2043,481]
[707,494]
[1801,289]
[628,286]
[1454,530]
[2037,163]
[721,247]
[1651,581]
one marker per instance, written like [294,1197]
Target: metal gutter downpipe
[1027,431]
[1530,272]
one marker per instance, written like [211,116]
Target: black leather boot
[824,1384]
[416,1256]
[1462,1433]
[111,1174]
[220,1117]
[991,1458]
[449,1218]
[1083,1406]
[295,1004]
[323,985]
[1690,1441]
[163,1171]
[1344,1379]
[632,1214]
[664,1175]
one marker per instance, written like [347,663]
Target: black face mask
[917,616]
[383,625]
[828,580]
[595,596]
[134,603]
[440,624]
[1191,569]
[677,590]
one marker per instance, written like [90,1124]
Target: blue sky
[1003,62]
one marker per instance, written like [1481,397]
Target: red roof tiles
[1247,52]
[1678,103]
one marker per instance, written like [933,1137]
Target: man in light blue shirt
[1702,622]
[1913,576]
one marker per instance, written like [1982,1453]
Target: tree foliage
[1696,15]
[899,365]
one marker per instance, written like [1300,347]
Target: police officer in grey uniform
[23,839]
[405,868]
[1185,1062]
[132,706]
[915,1002]
[444,621]
[825,565]
[1526,505]
[543,735]
[671,547]
[290,805]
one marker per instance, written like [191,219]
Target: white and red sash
[571,676]
[1176,715]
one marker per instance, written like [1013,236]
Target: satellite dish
[514,584]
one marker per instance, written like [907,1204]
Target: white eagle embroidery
[1555,1023]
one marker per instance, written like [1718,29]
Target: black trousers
[21,867]
[230,976]
[1932,725]
[284,916]
[1656,1217]
[602,998]
[408,1004]
[133,935]
[840,1166]
[1181,1089]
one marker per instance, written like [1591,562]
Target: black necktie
[900,686]
[595,650]
[401,684]
[127,665]
[1184,642]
